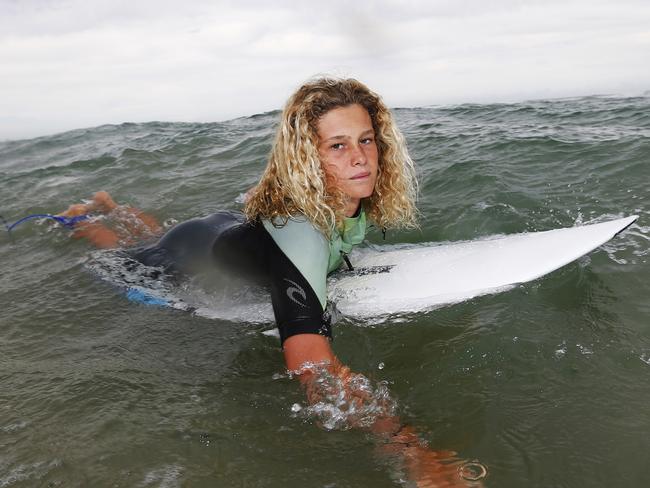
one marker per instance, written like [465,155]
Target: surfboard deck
[430,275]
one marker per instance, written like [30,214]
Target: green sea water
[547,384]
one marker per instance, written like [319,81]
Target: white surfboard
[426,276]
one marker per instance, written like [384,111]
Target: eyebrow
[335,138]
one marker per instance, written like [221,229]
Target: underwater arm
[326,380]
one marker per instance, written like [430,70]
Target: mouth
[361,176]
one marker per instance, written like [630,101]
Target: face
[348,152]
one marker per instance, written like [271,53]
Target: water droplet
[381,366]
[296,407]
[585,350]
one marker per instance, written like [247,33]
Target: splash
[236,302]
[342,400]
[131,228]
[121,270]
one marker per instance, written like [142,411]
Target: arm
[426,467]
[298,260]
[307,348]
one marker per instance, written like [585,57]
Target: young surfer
[338,162]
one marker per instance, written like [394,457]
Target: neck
[352,206]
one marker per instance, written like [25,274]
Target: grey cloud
[205,60]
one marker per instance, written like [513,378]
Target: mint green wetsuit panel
[311,253]
[354,231]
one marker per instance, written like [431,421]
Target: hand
[432,468]
[437,469]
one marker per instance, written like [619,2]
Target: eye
[367,140]
[337,146]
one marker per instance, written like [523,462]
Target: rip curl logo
[294,290]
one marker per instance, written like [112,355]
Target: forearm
[326,379]
[362,405]
[341,399]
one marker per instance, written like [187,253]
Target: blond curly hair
[294,181]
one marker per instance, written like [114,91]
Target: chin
[368,193]
[360,191]
[360,194]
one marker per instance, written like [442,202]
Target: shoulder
[306,248]
[298,239]
[297,230]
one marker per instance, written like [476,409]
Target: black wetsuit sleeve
[295,304]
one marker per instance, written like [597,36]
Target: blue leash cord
[65,221]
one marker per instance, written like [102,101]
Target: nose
[358,156]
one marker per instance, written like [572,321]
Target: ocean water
[547,384]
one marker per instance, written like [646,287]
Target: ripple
[168,476]
[23,472]
[15,426]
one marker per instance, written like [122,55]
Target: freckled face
[348,152]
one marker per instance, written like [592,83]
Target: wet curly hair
[294,181]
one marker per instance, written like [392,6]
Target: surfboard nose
[627,221]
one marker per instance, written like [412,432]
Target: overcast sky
[67,64]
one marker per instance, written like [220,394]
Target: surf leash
[68,222]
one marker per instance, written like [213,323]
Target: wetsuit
[292,260]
